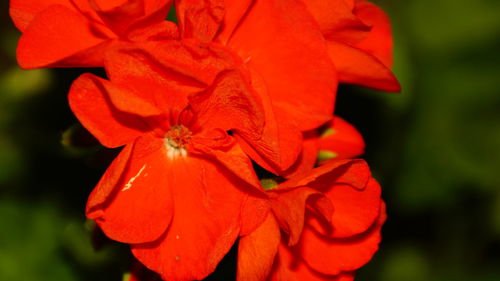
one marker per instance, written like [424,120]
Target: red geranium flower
[359,41]
[331,216]
[181,190]
[277,41]
[285,53]
[69,33]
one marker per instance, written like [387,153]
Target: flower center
[176,140]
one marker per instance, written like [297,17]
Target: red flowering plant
[280,45]
[182,176]
[359,38]
[76,33]
[330,218]
[226,126]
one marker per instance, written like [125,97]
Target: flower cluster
[225,119]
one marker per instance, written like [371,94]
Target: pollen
[176,140]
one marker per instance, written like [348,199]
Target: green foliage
[436,147]
[29,243]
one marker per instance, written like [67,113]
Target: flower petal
[49,42]
[356,66]
[289,207]
[332,256]
[235,11]
[124,97]
[280,143]
[282,42]
[233,159]
[253,212]
[107,183]
[200,19]
[89,99]
[148,30]
[307,158]
[166,72]
[152,6]
[379,41]
[113,13]
[139,205]
[337,21]
[257,250]
[205,224]
[230,104]
[354,210]
[341,140]
[22,12]
[290,268]
[353,172]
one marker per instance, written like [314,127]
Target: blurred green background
[435,148]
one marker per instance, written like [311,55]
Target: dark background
[435,148]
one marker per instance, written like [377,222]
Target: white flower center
[176,140]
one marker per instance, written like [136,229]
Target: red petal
[234,13]
[354,210]
[140,14]
[200,19]
[109,4]
[253,212]
[233,159]
[379,41]
[124,98]
[166,72]
[230,104]
[281,142]
[89,99]
[280,41]
[342,140]
[337,21]
[289,268]
[152,6]
[358,67]
[256,251]
[108,181]
[333,256]
[113,13]
[205,224]
[289,208]
[69,41]
[139,205]
[23,11]
[353,172]
[277,150]
[164,30]
[153,78]
[307,158]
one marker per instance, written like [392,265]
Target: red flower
[285,53]
[277,42]
[359,41]
[181,190]
[68,33]
[332,218]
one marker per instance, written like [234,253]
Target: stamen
[176,140]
